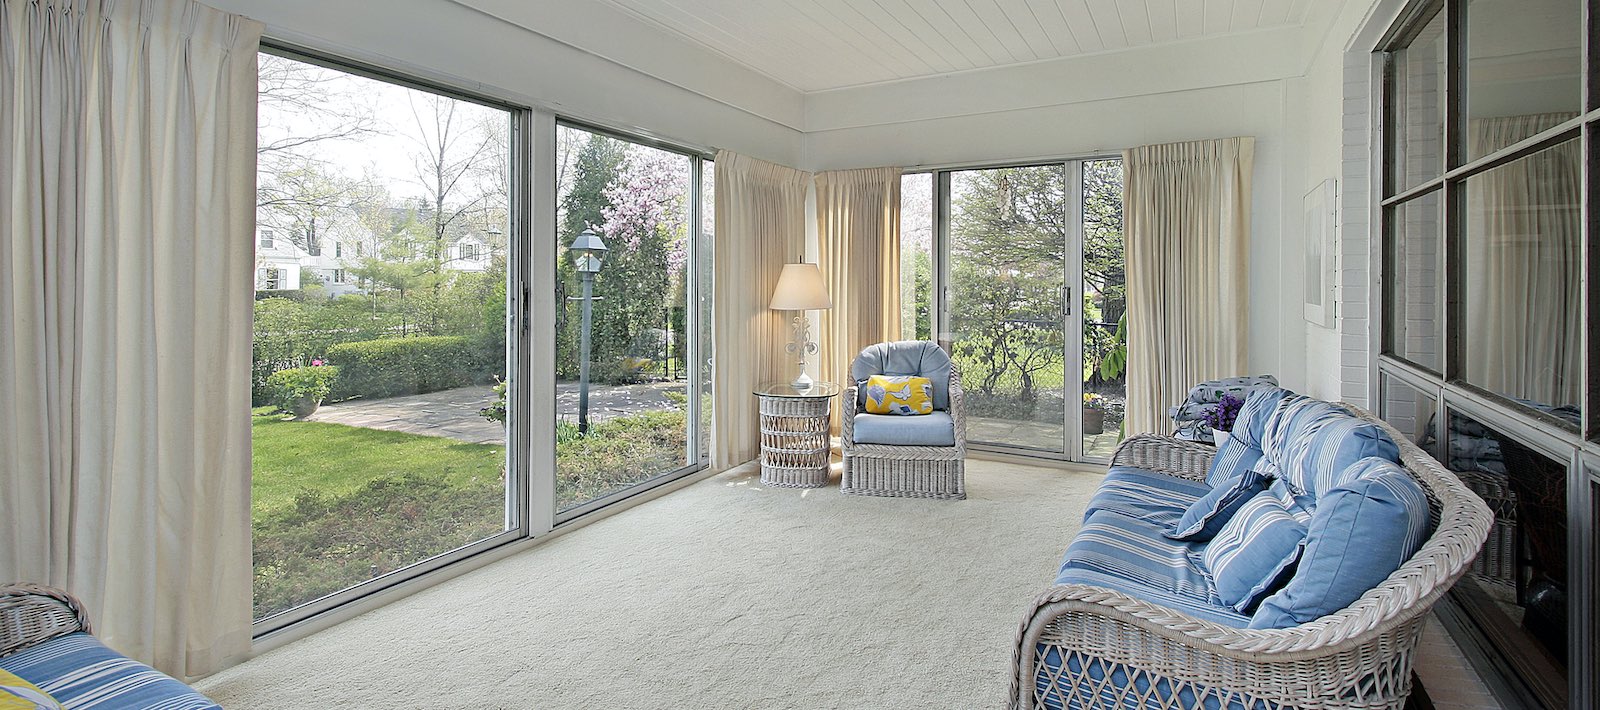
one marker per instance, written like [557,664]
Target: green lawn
[334,459]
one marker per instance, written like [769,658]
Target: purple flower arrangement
[1225,413]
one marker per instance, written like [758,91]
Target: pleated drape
[127,210]
[760,226]
[858,231]
[1524,232]
[1187,232]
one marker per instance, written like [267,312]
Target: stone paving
[454,413]
[1039,435]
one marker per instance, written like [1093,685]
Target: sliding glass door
[1030,273]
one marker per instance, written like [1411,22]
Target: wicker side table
[794,434]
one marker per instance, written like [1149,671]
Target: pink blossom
[316,363]
[649,197]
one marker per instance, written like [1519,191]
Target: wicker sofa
[1091,646]
[45,639]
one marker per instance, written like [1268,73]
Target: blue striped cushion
[1253,552]
[1242,451]
[1312,442]
[1203,519]
[1299,506]
[80,672]
[1364,528]
[1132,556]
[1145,495]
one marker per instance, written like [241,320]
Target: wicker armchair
[1358,657]
[33,613]
[903,471]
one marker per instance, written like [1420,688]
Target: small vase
[1094,420]
[1219,436]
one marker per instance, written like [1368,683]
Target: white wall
[464,46]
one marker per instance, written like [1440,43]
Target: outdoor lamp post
[800,288]
[590,250]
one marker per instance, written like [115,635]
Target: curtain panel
[127,208]
[1524,236]
[1187,231]
[858,230]
[760,226]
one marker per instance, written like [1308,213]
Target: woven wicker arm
[848,408]
[1358,657]
[958,407]
[1164,454]
[32,613]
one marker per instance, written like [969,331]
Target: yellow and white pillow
[18,694]
[899,394]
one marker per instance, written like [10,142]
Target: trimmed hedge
[399,366]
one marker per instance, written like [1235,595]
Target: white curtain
[858,230]
[760,226]
[1187,231]
[127,179]
[1524,281]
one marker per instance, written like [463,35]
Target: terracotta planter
[1094,420]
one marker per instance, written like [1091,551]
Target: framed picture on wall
[1321,231]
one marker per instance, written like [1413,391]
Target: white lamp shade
[800,288]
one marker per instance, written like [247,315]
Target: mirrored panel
[1522,279]
[1414,299]
[1524,70]
[1410,410]
[1417,108]
[1517,589]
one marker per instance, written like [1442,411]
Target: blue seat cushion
[905,357]
[1202,520]
[1114,685]
[1254,552]
[1363,529]
[79,671]
[936,429]
[1153,497]
[1312,442]
[1132,556]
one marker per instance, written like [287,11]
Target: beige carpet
[725,594]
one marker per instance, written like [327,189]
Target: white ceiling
[817,45]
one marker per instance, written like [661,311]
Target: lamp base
[803,382]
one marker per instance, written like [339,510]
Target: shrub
[397,366]
[296,385]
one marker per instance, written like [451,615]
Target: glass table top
[784,389]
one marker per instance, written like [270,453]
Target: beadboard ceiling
[817,45]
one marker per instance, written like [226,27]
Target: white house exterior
[280,262]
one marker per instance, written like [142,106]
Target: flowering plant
[1225,414]
[1094,401]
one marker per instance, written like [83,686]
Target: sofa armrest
[34,613]
[1258,664]
[1164,454]
[847,417]
[958,408]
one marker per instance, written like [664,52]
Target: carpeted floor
[725,594]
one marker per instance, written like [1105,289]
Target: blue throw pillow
[1206,516]
[1363,529]
[1313,442]
[1254,552]
[1232,459]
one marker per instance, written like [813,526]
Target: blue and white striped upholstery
[1242,451]
[1299,506]
[1251,555]
[1207,516]
[1132,556]
[1073,681]
[1153,497]
[80,672]
[1312,442]
[1369,523]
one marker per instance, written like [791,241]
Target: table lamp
[800,288]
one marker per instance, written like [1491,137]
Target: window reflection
[1523,274]
[1408,409]
[1415,306]
[1417,108]
[1523,61]
[1518,584]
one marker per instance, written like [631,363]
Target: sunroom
[703,353]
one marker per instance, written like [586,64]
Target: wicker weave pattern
[33,613]
[794,441]
[1358,657]
[905,471]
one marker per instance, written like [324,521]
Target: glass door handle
[1066,300]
